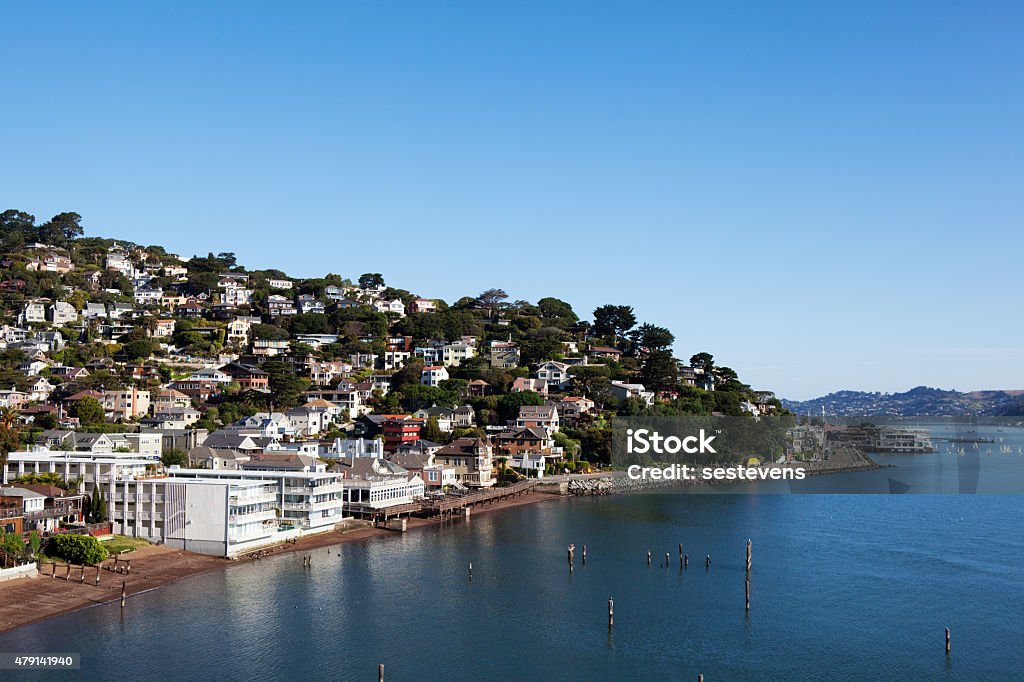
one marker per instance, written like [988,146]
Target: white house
[554,374]
[453,354]
[433,375]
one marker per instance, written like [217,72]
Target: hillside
[919,401]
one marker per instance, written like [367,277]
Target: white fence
[23,571]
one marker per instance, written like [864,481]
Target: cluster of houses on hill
[274,475]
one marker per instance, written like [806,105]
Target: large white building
[217,517]
[70,465]
[309,501]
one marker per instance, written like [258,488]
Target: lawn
[122,543]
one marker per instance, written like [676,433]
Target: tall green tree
[371,279]
[88,411]
[613,321]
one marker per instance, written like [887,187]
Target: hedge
[77,549]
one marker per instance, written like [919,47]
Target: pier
[448,507]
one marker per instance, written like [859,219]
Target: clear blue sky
[823,195]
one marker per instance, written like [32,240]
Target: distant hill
[919,401]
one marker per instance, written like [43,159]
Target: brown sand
[29,600]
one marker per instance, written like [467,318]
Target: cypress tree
[94,506]
[101,510]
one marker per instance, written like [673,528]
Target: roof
[537,411]
[202,452]
[529,432]
[461,447]
[49,490]
[23,493]
[368,468]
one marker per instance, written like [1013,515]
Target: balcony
[254,499]
[252,517]
[312,506]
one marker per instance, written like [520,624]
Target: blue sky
[823,195]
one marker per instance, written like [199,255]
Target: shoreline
[157,566]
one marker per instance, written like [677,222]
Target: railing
[312,506]
[252,517]
[254,499]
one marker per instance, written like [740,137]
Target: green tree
[491,300]
[34,542]
[174,456]
[556,309]
[12,545]
[613,320]
[371,279]
[652,338]
[509,404]
[61,229]
[94,506]
[704,361]
[88,411]
[659,370]
[101,510]
[77,549]
[433,432]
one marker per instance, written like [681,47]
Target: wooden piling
[748,593]
[707,561]
[648,557]
[700,678]
[470,570]
[380,673]
[124,592]
[686,561]
[667,559]
[947,642]
[611,612]
[748,554]
[572,551]
[584,554]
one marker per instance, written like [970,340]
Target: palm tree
[8,418]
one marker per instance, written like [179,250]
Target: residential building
[454,354]
[372,483]
[422,305]
[433,375]
[471,458]
[541,416]
[623,390]
[504,354]
[554,374]
[522,384]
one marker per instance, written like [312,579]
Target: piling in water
[947,641]
[648,557]
[124,592]
[611,612]
[380,673]
[686,561]
[748,555]
[748,593]
[707,561]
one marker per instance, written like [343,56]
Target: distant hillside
[920,401]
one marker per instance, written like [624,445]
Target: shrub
[77,549]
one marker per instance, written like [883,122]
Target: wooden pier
[449,506]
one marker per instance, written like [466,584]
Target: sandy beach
[34,599]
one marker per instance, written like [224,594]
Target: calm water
[843,587]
